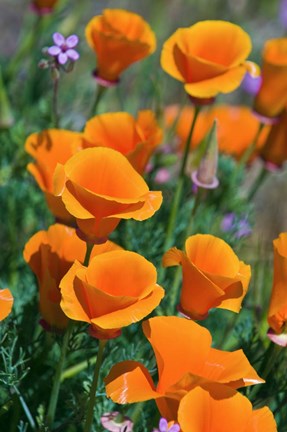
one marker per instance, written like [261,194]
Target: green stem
[257,183]
[55,112]
[25,408]
[92,399]
[74,370]
[100,91]
[57,380]
[88,254]
[179,189]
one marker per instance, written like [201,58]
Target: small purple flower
[283,13]
[240,227]
[251,84]
[63,48]
[164,427]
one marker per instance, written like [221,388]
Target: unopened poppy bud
[6,116]
[205,175]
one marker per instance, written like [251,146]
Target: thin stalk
[100,91]
[25,408]
[55,108]
[88,254]
[257,183]
[179,187]
[92,398]
[74,370]
[57,380]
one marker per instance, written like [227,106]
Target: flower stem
[179,190]
[88,254]
[92,399]
[57,380]
[100,91]
[25,408]
[55,112]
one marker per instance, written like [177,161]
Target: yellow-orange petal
[262,420]
[168,335]
[129,382]
[108,246]
[6,303]
[133,313]
[231,368]
[225,83]
[214,408]
[277,313]
[70,303]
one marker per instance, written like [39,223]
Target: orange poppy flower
[6,303]
[275,147]
[117,289]
[213,276]
[277,313]
[184,360]
[49,148]
[272,96]
[214,407]
[99,187]
[119,38]
[134,138]
[43,6]
[208,57]
[50,254]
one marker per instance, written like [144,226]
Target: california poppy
[50,254]
[213,276]
[99,187]
[212,407]
[117,289]
[275,146]
[277,313]
[184,359]
[208,57]
[271,99]
[48,148]
[6,303]
[119,38]
[134,138]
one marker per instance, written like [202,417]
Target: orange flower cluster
[6,303]
[137,141]
[119,38]
[213,276]
[277,314]
[208,57]
[195,381]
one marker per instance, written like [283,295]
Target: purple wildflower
[283,13]
[239,226]
[251,84]
[63,48]
[163,426]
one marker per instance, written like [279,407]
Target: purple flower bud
[283,13]
[251,84]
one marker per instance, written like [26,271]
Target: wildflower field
[143,228]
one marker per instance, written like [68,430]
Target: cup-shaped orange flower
[119,38]
[50,254]
[275,148]
[48,148]
[277,313]
[99,187]
[6,303]
[214,407]
[212,274]
[208,57]
[271,99]
[117,288]
[184,358]
[134,138]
